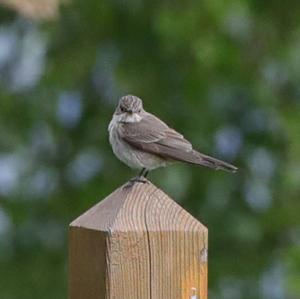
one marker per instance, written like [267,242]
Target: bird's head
[129,105]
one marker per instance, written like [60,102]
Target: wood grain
[138,244]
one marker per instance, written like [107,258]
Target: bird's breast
[129,155]
[121,148]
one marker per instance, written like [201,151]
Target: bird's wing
[154,136]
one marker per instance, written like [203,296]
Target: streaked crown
[129,104]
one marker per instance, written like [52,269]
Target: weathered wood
[137,244]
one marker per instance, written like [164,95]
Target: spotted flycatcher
[144,142]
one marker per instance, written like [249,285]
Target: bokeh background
[226,73]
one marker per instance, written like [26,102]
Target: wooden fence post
[137,244]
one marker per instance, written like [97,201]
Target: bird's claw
[138,179]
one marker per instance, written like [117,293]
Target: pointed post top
[141,206]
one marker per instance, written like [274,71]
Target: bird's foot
[138,179]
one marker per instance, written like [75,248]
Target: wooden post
[137,244]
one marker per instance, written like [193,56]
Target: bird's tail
[201,159]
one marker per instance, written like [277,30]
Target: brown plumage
[153,136]
[143,141]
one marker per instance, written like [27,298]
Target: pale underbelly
[132,157]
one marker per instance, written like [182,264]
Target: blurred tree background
[225,73]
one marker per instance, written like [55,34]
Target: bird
[144,142]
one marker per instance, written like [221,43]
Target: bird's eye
[122,109]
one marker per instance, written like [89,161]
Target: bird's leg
[143,172]
[141,178]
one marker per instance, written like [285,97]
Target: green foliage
[226,74]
